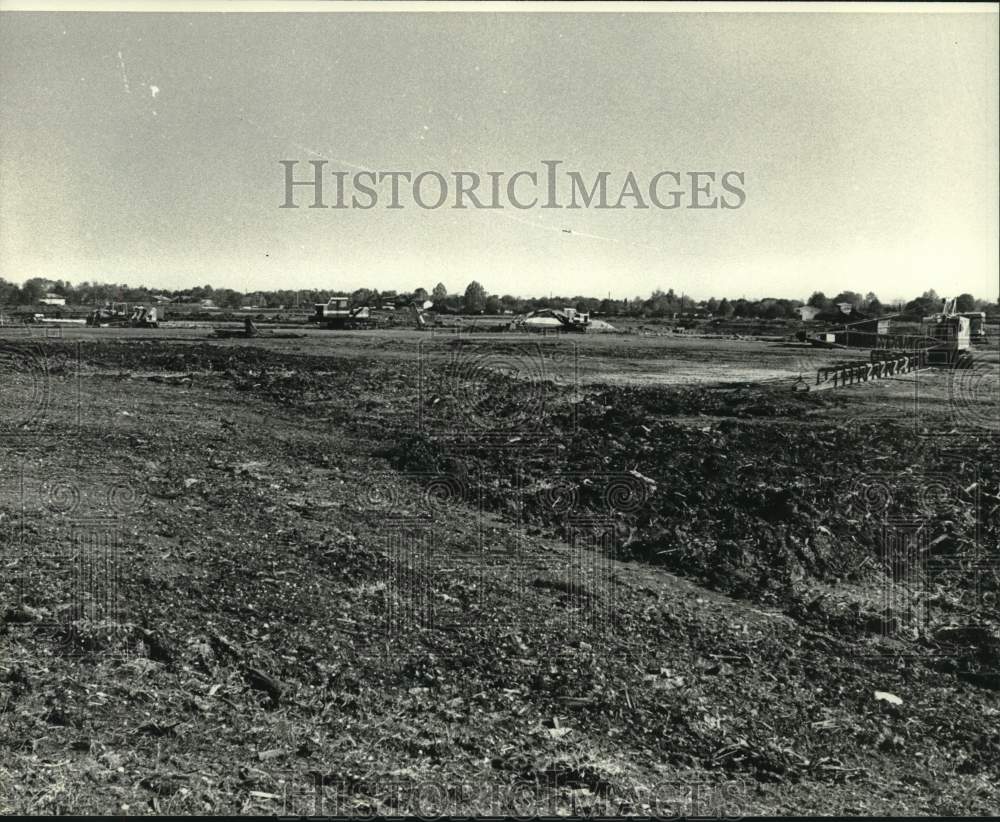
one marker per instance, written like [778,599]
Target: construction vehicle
[424,318]
[118,314]
[337,313]
[421,318]
[553,319]
[114,314]
[143,317]
[977,326]
[945,341]
[950,337]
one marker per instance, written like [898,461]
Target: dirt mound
[742,500]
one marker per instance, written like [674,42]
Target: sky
[144,148]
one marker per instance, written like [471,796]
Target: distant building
[53,299]
[807,312]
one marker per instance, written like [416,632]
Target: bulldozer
[119,315]
[338,314]
[143,317]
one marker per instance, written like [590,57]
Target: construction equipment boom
[945,341]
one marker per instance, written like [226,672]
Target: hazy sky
[144,148]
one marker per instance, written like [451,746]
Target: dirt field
[398,572]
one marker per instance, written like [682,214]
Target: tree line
[475,299]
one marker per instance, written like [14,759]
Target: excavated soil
[273,578]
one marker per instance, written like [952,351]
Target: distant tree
[439,293]
[9,293]
[611,308]
[420,295]
[771,309]
[743,308]
[362,296]
[492,304]
[923,306]
[32,291]
[659,304]
[965,302]
[508,302]
[851,297]
[227,298]
[777,309]
[475,298]
[725,308]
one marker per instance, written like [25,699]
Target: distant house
[53,299]
[807,312]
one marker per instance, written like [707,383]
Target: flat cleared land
[396,572]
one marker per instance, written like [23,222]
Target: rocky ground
[248,578]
